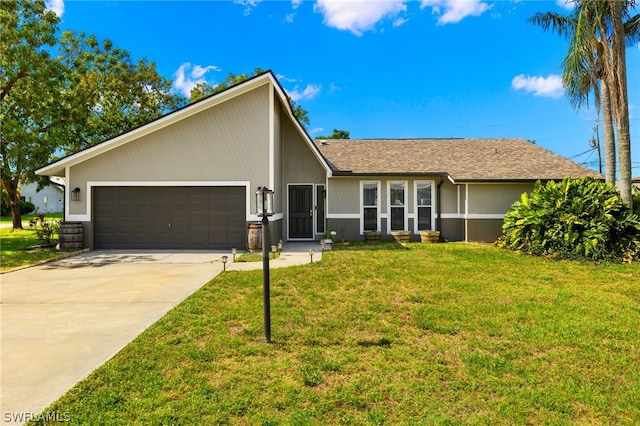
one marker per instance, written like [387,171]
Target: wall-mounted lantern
[75,194]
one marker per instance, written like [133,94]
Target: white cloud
[290,17]
[248,5]
[187,76]
[550,87]
[282,77]
[56,6]
[316,130]
[455,10]
[309,92]
[400,21]
[296,3]
[566,4]
[357,16]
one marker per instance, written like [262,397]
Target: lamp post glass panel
[264,209]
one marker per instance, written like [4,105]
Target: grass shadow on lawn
[429,334]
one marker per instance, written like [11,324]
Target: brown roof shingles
[463,159]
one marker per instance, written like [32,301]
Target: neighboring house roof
[636,180]
[461,159]
[57,168]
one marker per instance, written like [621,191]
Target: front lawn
[27,217]
[13,245]
[432,334]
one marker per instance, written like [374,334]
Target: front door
[301,211]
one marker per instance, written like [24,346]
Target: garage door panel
[170,217]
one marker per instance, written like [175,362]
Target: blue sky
[379,69]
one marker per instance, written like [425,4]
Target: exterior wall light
[75,194]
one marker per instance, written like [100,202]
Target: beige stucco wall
[299,164]
[344,195]
[228,142]
[494,198]
[449,198]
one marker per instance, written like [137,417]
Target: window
[424,205]
[397,206]
[370,214]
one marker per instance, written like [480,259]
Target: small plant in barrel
[46,230]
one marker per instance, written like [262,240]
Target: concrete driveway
[63,319]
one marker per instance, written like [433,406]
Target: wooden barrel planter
[430,236]
[372,236]
[71,236]
[254,236]
[401,236]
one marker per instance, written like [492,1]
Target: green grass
[427,334]
[27,217]
[13,245]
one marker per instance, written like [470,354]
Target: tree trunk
[14,202]
[621,101]
[609,136]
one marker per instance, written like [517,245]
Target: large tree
[589,29]
[29,93]
[616,75]
[59,94]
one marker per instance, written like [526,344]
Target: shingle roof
[461,159]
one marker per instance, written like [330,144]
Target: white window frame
[405,206]
[377,206]
[417,205]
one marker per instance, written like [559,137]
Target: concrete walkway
[63,319]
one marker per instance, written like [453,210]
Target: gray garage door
[169,217]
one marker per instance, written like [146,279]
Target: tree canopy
[595,61]
[63,92]
[337,134]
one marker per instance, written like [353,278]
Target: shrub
[573,219]
[26,207]
[45,230]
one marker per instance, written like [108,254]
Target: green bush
[573,219]
[26,207]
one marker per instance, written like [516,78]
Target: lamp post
[264,209]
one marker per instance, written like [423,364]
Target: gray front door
[301,211]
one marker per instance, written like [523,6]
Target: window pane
[397,218]
[370,194]
[397,194]
[370,219]
[424,218]
[424,194]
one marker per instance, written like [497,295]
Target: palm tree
[616,75]
[584,67]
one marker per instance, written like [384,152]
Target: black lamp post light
[264,209]
[224,263]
